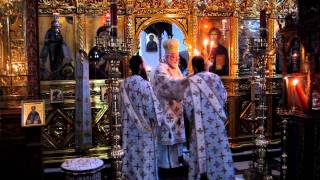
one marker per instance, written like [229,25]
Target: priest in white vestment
[210,155]
[140,112]
[169,86]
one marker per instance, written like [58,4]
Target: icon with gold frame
[56,95]
[32,113]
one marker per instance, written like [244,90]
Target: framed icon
[213,42]
[151,43]
[33,113]
[56,96]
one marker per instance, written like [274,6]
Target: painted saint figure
[141,114]
[217,54]
[152,45]
[210,155]
[33,117]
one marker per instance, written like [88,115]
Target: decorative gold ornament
[202,4]
[168,2]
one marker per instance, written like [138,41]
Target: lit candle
[295,82]
[212,44]
[295,99]
[196,52]
[210,50]
[205,43]
[285,90]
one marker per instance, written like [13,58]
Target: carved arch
[151,20]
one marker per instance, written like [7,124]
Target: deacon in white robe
[140,112]
[169,86]
[204,101]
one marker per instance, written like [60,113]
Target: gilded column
[234,47]
[131,34]
[193,31]
[81,30]
[129,29]
[233,97]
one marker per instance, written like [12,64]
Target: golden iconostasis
[80,25]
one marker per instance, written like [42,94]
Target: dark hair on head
[134,64]
[215,30]
[198,64]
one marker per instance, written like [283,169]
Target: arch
[153,20]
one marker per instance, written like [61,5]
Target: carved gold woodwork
[58,134]
[284,7]
[134,17]
[95,7]
[13,61]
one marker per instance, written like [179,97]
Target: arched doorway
[151,39]
[178,28]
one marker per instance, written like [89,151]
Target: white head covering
[171,46]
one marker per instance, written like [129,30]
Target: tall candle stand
[116,51]
[258,48]
[284,114]
[259,169]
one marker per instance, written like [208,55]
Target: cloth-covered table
[83,169]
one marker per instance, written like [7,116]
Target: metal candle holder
[284,115]
[115,51]
[258,48]
[114,57]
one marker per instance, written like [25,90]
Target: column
[83,122]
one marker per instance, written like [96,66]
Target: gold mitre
[171,46]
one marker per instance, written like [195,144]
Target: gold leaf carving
[139,22]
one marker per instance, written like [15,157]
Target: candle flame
[211,44]
[196,52]
[205,42]
[295,82]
